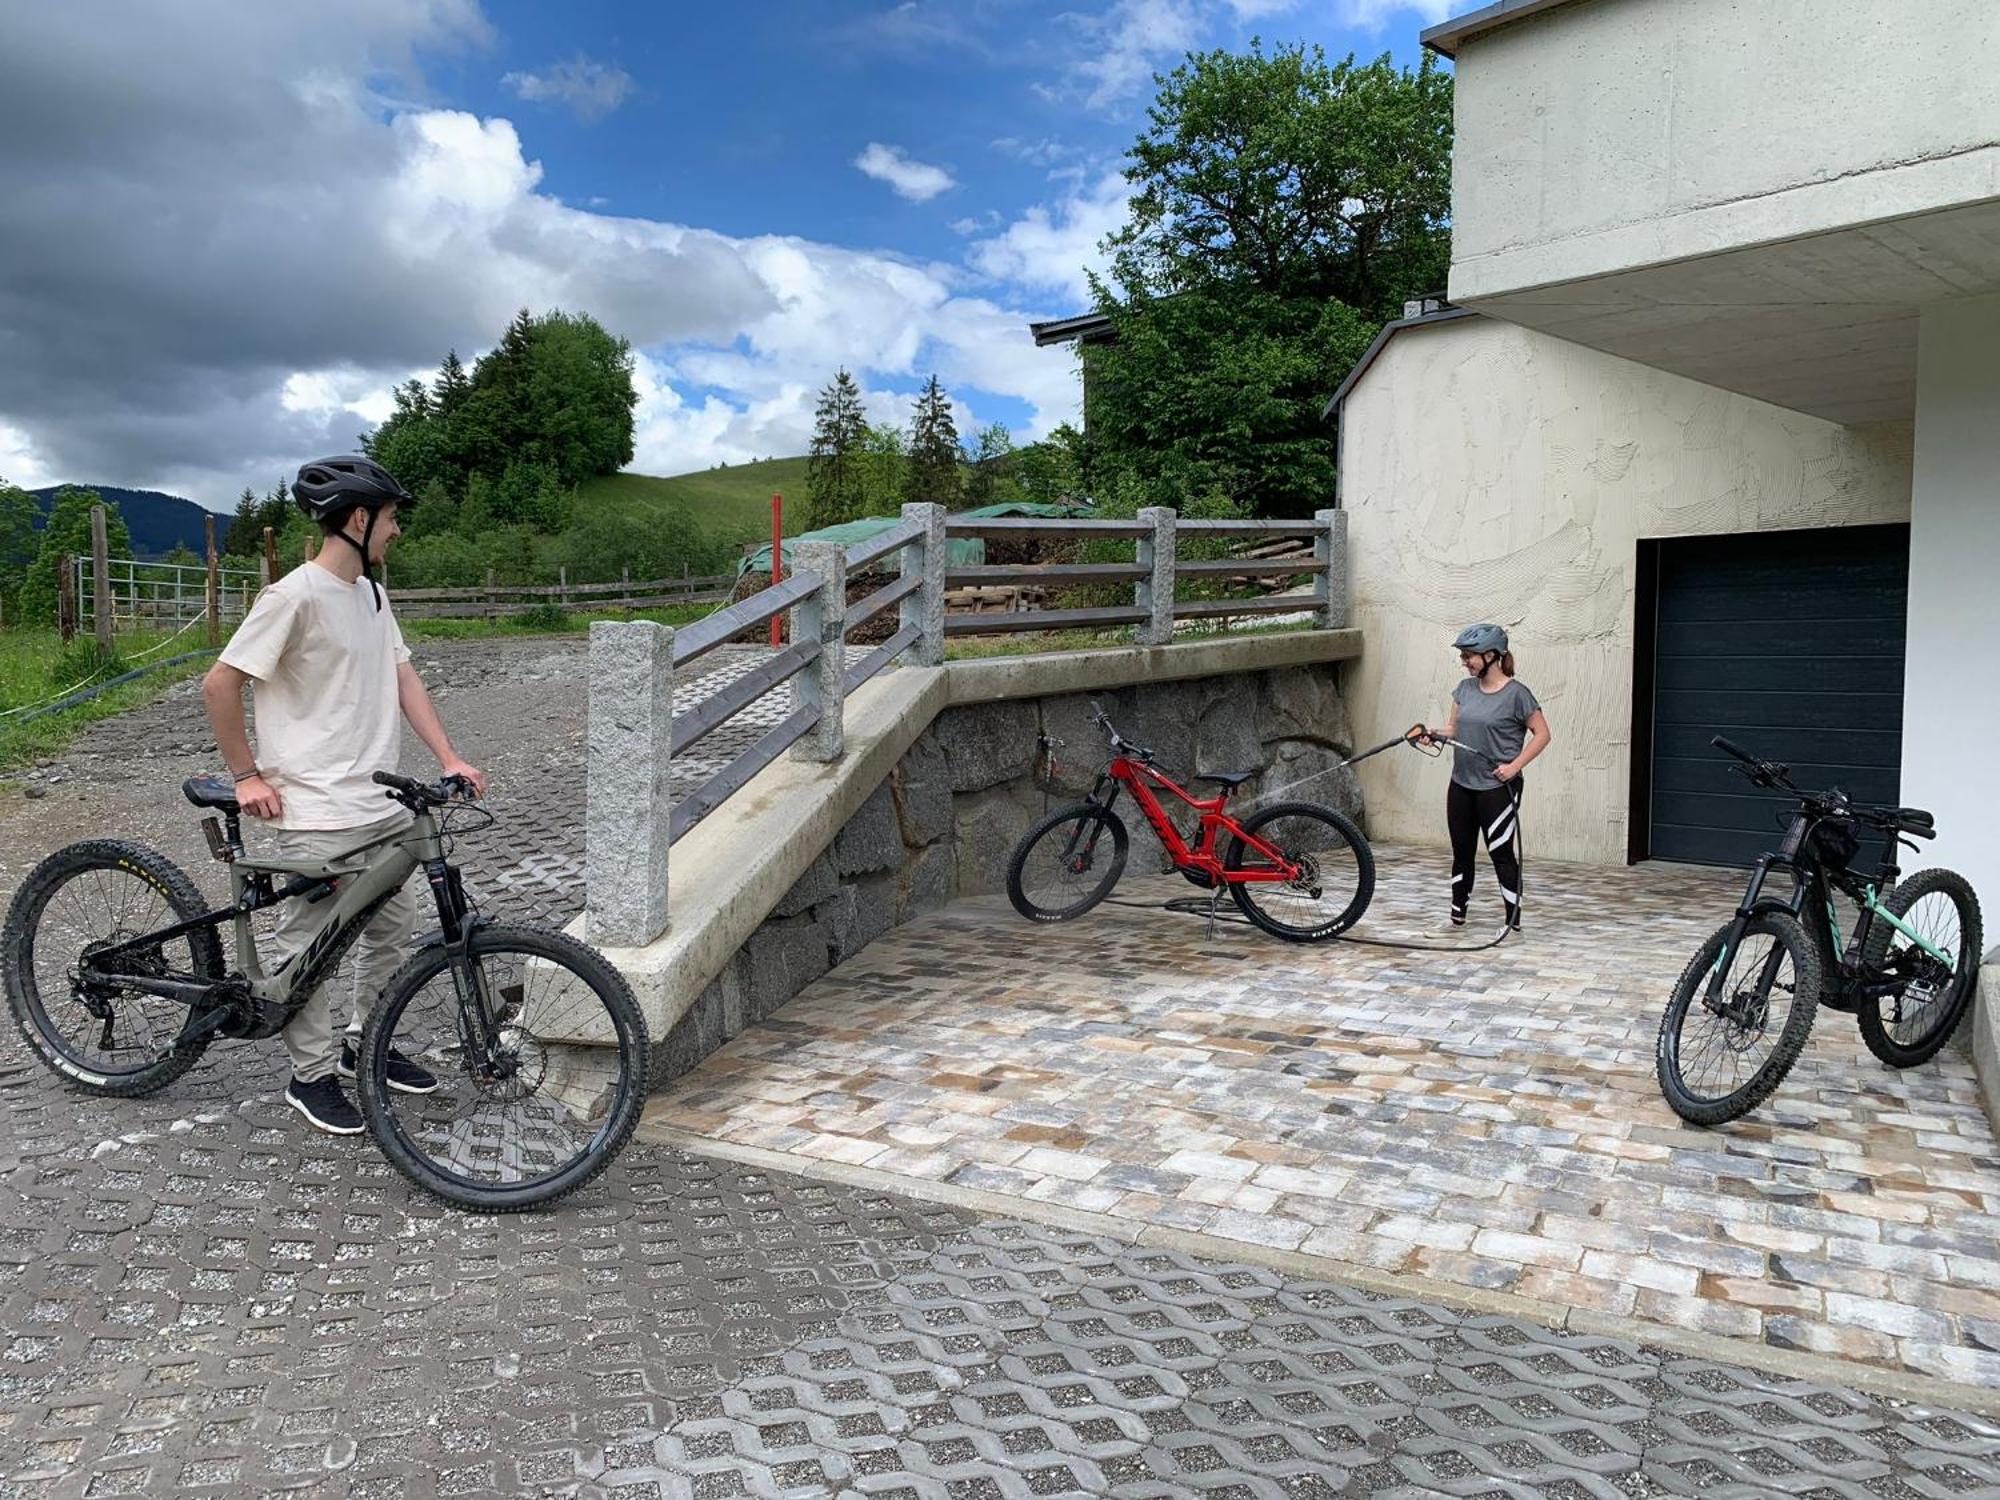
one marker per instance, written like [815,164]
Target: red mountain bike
[1298,870]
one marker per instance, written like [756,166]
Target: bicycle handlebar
[1119,744]
[412,793]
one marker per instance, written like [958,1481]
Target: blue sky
[752,193]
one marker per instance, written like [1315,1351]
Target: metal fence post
[212,593]
[925,608]
[1330,584]
[821,616]
[100,577]
[628,781]
[1155,592]
[66,610]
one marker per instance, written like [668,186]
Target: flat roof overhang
[1823,323]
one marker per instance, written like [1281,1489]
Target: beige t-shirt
[327,710]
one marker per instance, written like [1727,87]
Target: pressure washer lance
[1418,738]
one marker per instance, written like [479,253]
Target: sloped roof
[1389,331]
[1447,37]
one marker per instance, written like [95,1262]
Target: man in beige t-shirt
[333,683]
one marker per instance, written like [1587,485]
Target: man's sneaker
[405,1077]
[325,1104]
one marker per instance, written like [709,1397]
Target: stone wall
[945,821]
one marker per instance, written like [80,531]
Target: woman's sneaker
[325,1104]
[405,1077]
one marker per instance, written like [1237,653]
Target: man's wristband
[242,776]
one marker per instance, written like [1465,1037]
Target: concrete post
[100,577]
[628,781]
[1330,586]
[821,616]
[1155,592]
[925,608]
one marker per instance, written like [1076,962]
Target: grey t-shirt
[1495,724]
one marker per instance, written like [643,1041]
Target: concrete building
[1712,424]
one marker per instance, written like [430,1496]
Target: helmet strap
[367,536]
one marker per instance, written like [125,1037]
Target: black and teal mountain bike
[1907,970]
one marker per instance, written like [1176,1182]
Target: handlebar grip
[1730,747]
[390,778]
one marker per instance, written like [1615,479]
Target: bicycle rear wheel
[1067,863]
[530,1105]
[1909,1026]
[101,1035]
[1717,1063]
[1335,877]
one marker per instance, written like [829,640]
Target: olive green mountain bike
[114,969]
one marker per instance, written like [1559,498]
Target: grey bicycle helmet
[327,486]
[1481,638]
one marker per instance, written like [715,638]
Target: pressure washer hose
[1413,736]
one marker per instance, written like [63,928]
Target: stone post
[1330,585]
[628,781]
[1155,592]
[821,616]
[925,608]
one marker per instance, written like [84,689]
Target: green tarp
[961,552]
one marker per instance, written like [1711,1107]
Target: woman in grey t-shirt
[1499,721]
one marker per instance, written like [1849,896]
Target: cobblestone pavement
[515,708]
[1488,1120]
[200,1297]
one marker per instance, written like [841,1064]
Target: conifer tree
[836,489]
[932,468]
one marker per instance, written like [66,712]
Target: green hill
[732,504]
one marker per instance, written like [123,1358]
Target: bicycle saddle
[211,791]
[1225,778]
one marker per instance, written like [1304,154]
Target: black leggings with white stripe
[1495,813]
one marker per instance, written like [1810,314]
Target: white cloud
[1050,249]
[20,465]
[243,333]
[1374,14]
[1127,44]
[915,180]
[591,90]
[974,223]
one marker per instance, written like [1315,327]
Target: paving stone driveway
[199,1297]
[1486,1120]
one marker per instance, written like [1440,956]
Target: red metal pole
[777,558]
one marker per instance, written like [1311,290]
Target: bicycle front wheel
[1067,863]
[1909,1025]
[1332,879]
[520,1090]
[1719,1058]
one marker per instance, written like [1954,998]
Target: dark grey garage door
[1789,643]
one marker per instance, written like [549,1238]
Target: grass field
[35,667]
[732,504]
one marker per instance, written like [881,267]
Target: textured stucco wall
[1954,562]
[1601,136]
[1490,472]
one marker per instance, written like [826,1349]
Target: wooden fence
[634,732]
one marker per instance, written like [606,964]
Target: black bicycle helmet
[327,486]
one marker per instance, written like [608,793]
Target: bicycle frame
[1134,775]
[1812,883]
[357,883]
